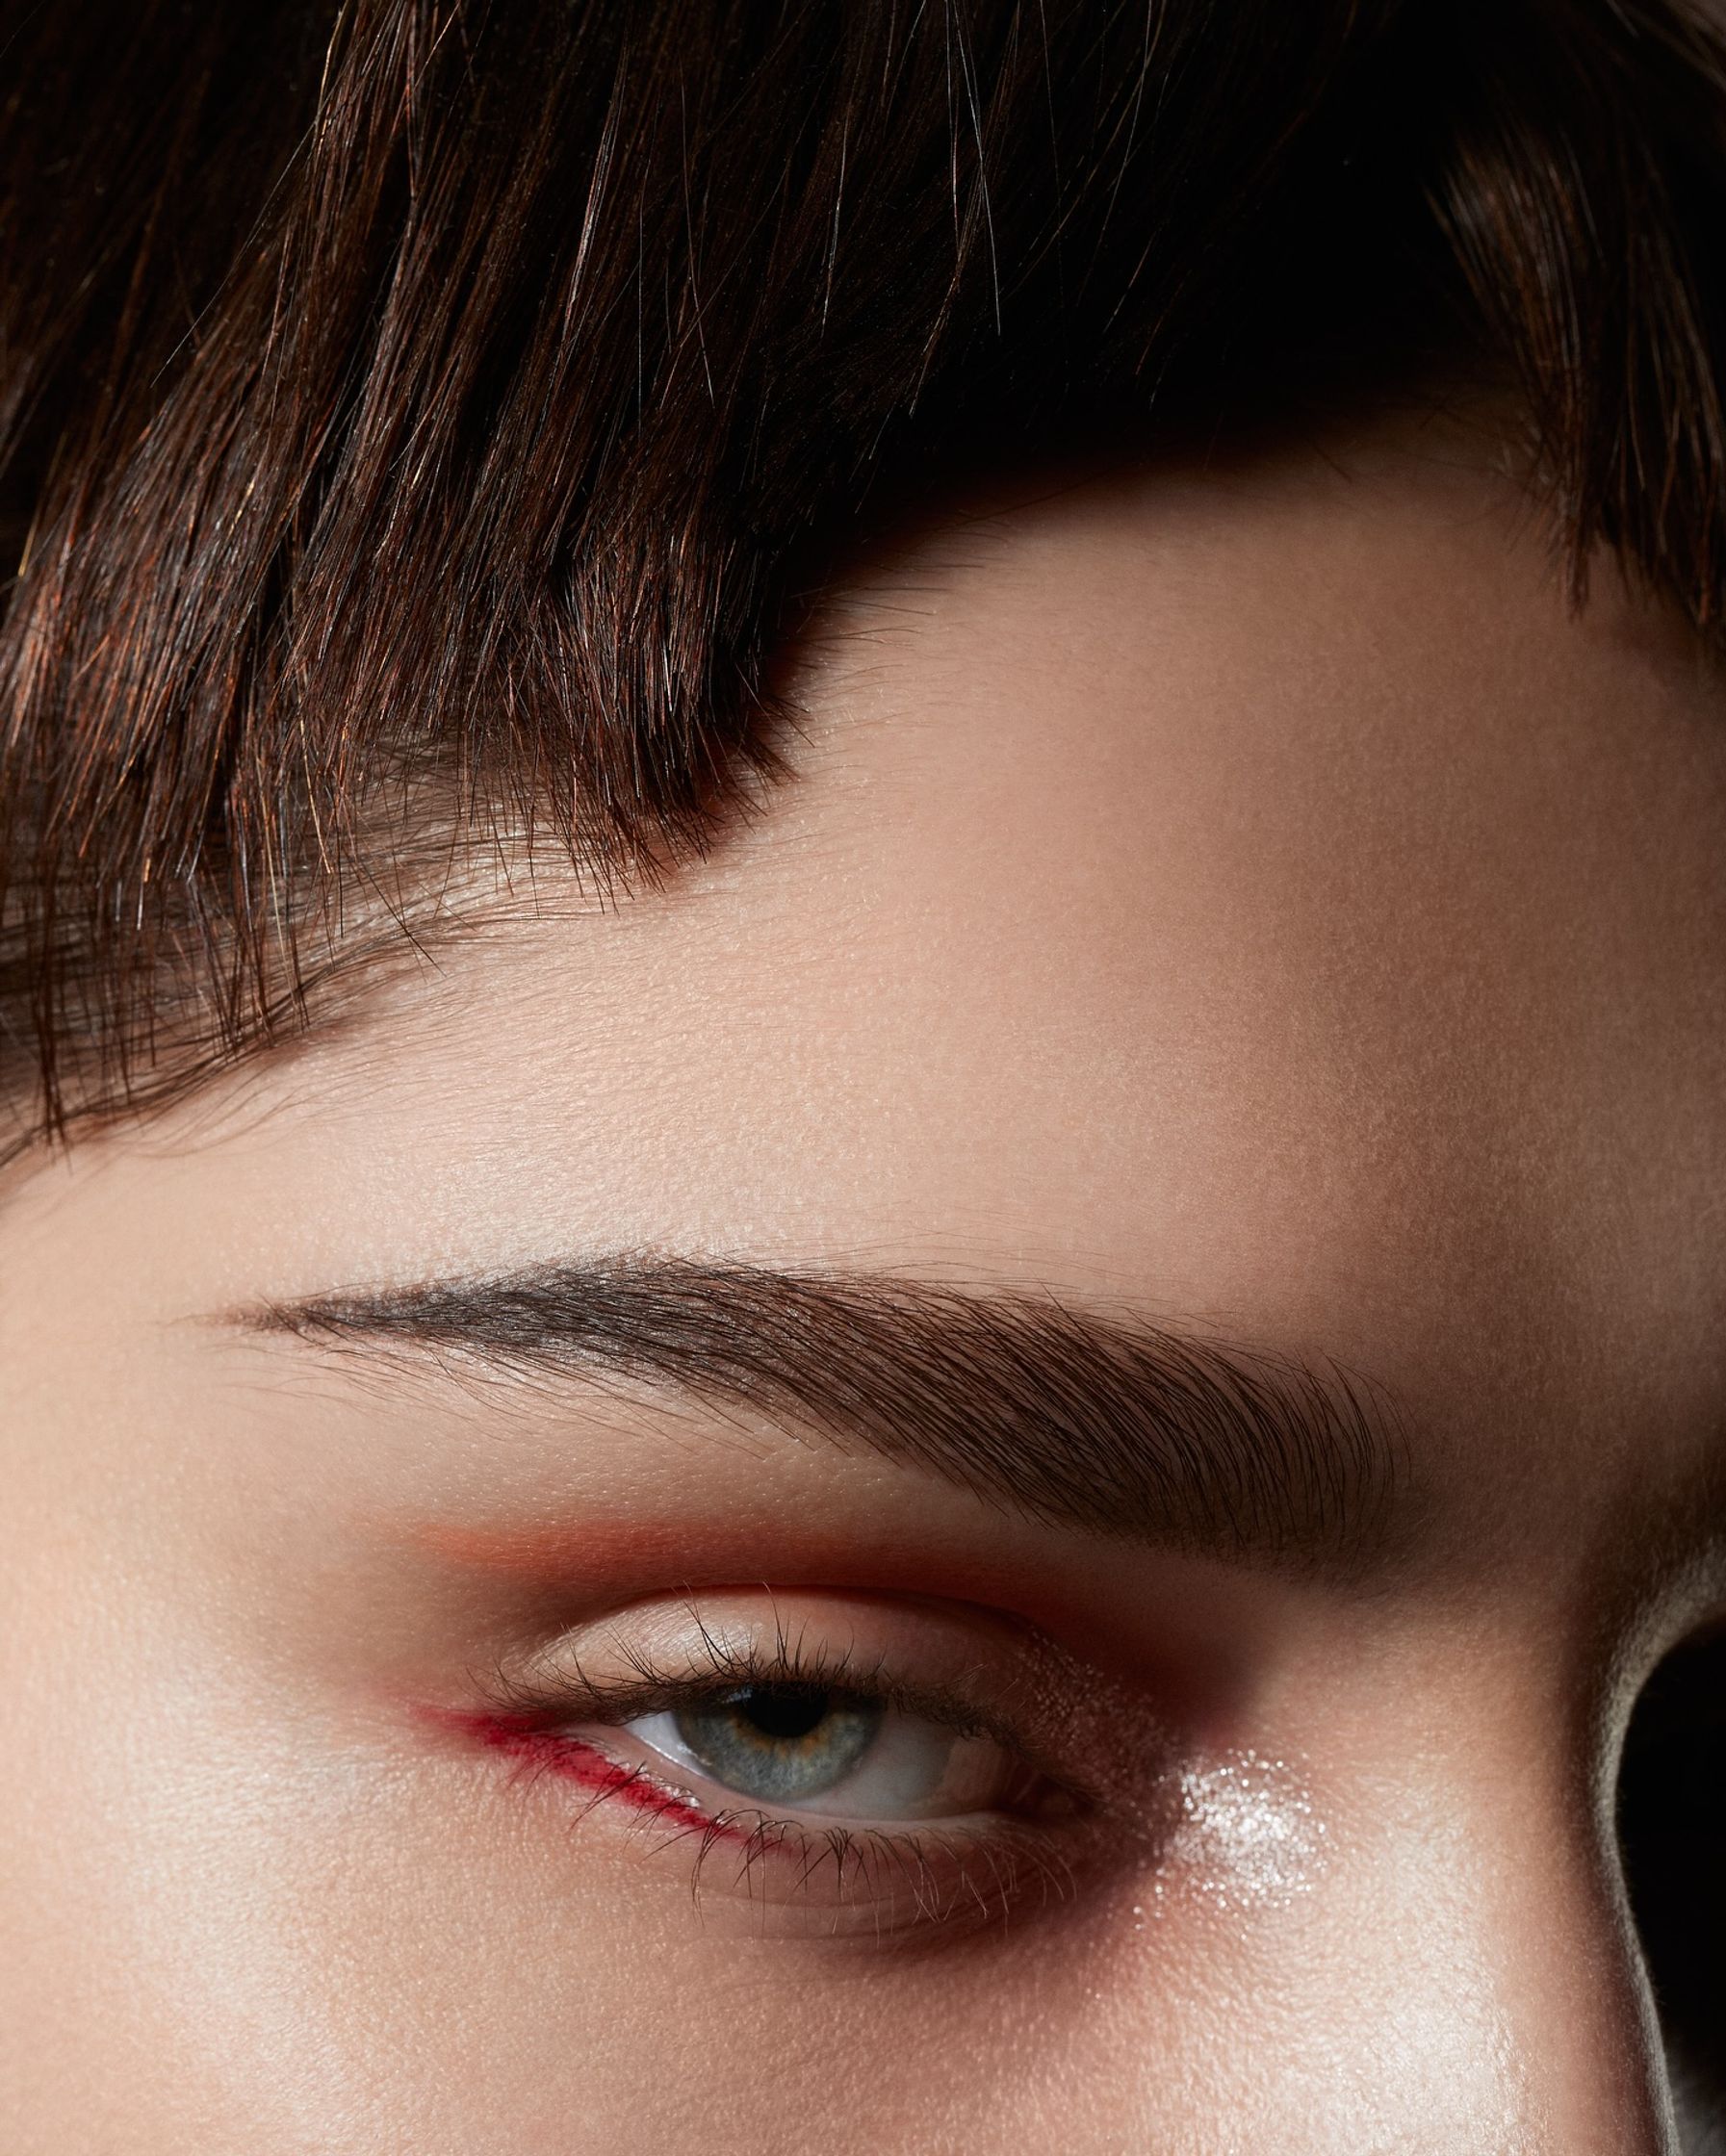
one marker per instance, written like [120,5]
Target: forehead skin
[1258,896]
[1249,896]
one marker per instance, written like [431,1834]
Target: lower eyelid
[879,1882]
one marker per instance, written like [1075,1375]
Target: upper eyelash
[574,1691]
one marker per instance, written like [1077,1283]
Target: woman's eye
[868,1765]
[828,1751]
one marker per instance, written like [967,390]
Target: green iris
[780,1742]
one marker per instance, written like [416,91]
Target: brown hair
[419,412]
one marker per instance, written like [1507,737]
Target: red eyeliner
[550,1751]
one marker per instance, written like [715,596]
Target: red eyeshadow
[623,1558]
[1169,1636]
[603,1550]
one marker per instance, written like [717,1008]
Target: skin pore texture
[1247,903]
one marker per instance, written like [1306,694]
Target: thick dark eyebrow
[1075,1416]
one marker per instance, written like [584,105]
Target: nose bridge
[1461,1980]
[1549,1913]
[1482,1932]
[1482,1968]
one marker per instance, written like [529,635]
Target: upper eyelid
[613,1703]
[976,1656]
[970,1670]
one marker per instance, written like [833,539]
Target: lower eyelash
[868,1869]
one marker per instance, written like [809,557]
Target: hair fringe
[421,414]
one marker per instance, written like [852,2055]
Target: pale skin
[1251,903]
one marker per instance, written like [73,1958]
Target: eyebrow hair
[1077,1418]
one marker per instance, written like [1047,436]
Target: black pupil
[783,1711]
